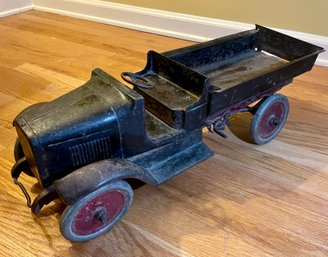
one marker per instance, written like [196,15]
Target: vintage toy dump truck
[88,146]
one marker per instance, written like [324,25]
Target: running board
[170,160]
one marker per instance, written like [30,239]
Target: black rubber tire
[18,154]
[269,119]
[77,229]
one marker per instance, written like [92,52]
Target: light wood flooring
[246,200]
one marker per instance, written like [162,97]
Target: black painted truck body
[103,131]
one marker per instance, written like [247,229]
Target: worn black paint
[104,131]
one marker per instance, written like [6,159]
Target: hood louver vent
[90,152]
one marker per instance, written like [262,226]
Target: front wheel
[269,119]
[97,212]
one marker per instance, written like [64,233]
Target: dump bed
[222,73]
[244,64]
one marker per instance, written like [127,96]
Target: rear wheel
[97,212]
[269,119]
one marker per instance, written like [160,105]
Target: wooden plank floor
[246,200]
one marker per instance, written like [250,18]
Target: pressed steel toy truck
[88,146]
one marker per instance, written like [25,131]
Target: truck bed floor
[240,68]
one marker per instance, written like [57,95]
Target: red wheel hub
[98,213]
[271,119]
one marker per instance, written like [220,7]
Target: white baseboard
[10,7]
[177,25]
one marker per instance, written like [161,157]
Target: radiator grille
[90,152]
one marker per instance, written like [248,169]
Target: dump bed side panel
[214,51]
[260,86]
[284,46]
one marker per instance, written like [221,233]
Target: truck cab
[103,119]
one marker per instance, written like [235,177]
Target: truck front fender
[93,176]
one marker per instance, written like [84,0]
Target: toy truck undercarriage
[86,146]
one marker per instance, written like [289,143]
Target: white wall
[9,7]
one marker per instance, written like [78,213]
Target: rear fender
[93,176]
